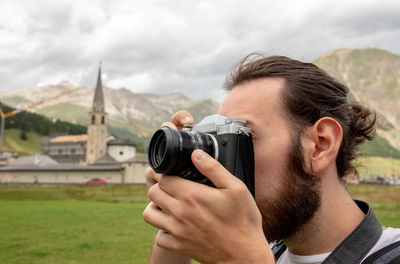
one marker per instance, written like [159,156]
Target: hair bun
[363,123]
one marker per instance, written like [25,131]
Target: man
[305,135]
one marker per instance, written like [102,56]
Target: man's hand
[213,225]
[160,255]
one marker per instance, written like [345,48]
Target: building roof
[70,158]
[106,160]
[69,138]
[98,101]
[79,138]
[36,160]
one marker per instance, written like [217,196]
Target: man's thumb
[212,169]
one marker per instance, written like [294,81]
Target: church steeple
[98,101]
[96,146]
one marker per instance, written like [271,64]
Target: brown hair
[309,94]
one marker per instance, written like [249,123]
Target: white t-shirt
[389,236]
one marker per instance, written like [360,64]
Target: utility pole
[391,162]
[2,131]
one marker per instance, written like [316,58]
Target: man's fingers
[179,120]
[168,124]
[157,218]
[212,169]
[182,118]
[179,187]
[167,241]
[151,177]
[164,201]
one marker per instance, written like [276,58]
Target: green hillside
[202,109]
[66,111]
[15,100]
[25,131]
[380,147]
[40,124]
[12,142]
[46,122]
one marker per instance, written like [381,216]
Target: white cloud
[176,46]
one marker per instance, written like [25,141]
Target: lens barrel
[170,151]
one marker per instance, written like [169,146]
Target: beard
[296,201]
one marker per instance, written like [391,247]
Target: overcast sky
[185,46]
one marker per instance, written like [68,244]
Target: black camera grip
[236,154]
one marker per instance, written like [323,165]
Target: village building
[6,158]
[72,159]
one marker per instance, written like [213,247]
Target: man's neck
[336,218]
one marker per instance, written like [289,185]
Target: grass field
[73,225]
[66,224]
[384,199]
[378,166]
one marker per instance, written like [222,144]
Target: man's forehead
[253,96]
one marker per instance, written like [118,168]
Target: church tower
[96,146]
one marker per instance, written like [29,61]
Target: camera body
[227,139]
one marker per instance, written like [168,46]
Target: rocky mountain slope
[373,77]
[147,110]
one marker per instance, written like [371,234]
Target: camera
[226,139]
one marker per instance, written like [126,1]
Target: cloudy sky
[185,46]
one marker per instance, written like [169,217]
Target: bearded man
[305,135]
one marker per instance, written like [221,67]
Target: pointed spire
[98,101]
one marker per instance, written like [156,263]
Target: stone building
[73,159]
[41,169]
[67,149]
[72,149]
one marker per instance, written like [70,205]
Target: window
[93,119]
[102,120]
[60,151]
[73,151]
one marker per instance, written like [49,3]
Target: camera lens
[163,147]
[170,151]
[160,149]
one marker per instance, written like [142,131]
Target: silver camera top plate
[221,124]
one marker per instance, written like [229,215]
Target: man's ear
[326,136]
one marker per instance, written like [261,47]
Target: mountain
[373,77]
[148,111]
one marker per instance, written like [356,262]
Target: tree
[23,135]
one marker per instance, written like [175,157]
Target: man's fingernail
[199,154]
[187,119]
